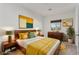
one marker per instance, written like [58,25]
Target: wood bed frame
[16,33]
[24,50]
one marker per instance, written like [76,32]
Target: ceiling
[55,8]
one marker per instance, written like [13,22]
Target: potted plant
[71,34]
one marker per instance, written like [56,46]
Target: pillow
[31,34]
[23,35]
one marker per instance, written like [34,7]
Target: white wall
[78,30]
[56,17]
[77,27]
[9,15]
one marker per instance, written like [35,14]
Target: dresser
[57,35]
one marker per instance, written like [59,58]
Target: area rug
[63,48]
[18,52]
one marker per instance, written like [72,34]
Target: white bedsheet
[25,42]
[53,49]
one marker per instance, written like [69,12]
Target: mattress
[24,43]
[53,49]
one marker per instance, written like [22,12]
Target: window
[56,25]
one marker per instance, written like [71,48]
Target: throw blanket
[40,47]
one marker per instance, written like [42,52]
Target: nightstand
[6,46]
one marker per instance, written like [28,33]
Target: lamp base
[9,39]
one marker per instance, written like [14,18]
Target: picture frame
[67,22]
[56,25]
[25,22]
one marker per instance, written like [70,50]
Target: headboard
[16,32]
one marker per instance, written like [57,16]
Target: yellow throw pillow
[23,35]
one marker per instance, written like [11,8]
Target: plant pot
[70,40]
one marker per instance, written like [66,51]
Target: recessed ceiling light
[50,9]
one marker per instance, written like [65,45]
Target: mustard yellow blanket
[40,47]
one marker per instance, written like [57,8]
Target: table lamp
[9,33]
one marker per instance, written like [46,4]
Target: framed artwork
[56,25]
[25,22]
[67,22]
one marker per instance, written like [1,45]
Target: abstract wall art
[67,22]
[25,22]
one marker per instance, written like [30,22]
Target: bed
[38,45]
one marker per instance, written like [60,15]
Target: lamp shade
[9,32]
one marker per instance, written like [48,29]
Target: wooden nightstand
[8,46]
